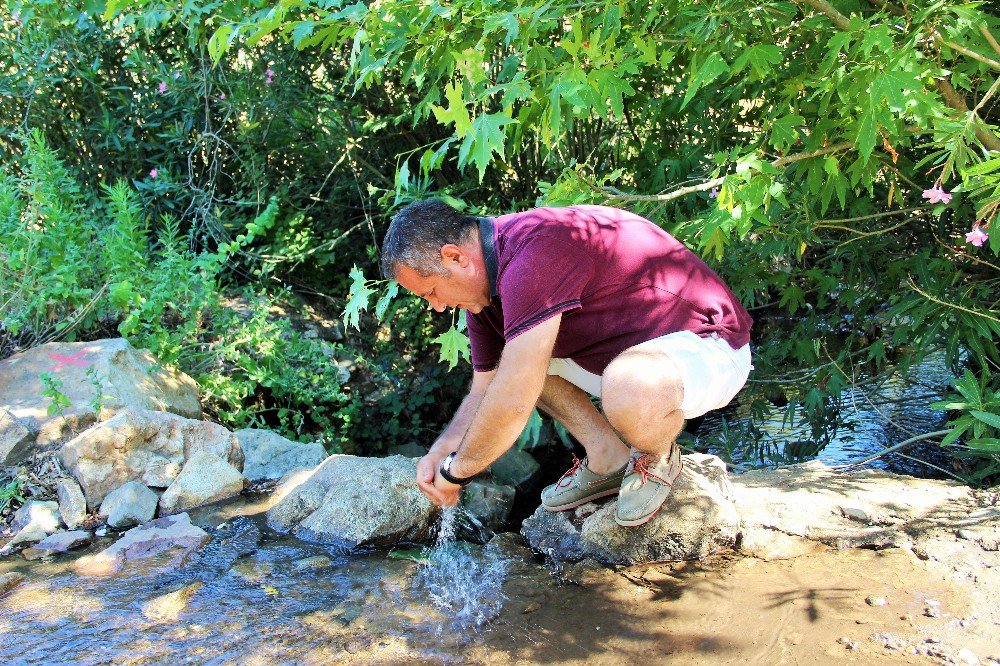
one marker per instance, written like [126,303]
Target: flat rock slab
[351,501]
[270,456]
[140,445]
[698,518]
[60,542]
[790,510]
[126,376]
[172,536]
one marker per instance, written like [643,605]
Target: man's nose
[437,305]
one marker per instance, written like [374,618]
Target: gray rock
[173,537]
[349,500]
[41,514]
[270,456]
[129,505]
[514,468]
[29,534]
[127,377]
[72,503]
[489,503]
[9,581]
[16,439]
[408,450]
[696,519]
[146,446]
[60,542]
[206,478]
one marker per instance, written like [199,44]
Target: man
[562,303]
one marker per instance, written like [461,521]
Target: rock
[168,607]
[72,503]
[768,544]
[9,581]
[316,562]
[509,546]
[29,534]
[350,500]
[514,468]
[33,512]
[696,519]
[857,509]
[489,503]
[206,478]
[966,656]
[141,445]
[16,439]
[172,536]
[129,505]
[60,542]
[876,601]
[126,377]
[270,456]
[408,450]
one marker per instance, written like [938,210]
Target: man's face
[462,286]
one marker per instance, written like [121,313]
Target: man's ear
[452,254]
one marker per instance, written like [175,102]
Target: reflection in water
[868,421]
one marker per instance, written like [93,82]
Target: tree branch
[969,52]
[953,99]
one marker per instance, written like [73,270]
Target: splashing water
[461,579]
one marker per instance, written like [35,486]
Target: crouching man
[564,304]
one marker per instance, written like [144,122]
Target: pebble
[876,601]
[532,607]
[848,643]
[967,656]
[930,611]
[101,531]
[317,562]
[932,639]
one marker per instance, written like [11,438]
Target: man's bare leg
[641,394]
[571,406]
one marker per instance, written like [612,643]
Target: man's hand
[438,490]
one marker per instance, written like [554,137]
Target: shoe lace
[642,465]
[570,473]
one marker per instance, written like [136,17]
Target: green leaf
[867,131]
[357,300]
[987,418]
[454,345]
[784,130]
[713,67]
[456,113]
[760,57]
[386,299]
[486,140]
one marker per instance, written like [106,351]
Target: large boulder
[796,509]
[146,446]
[698,518]
[172,538]
[33,522]
[206,478]
[108,374]
[350,501]
[16,439]
[270,456]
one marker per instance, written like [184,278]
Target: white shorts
[712,372]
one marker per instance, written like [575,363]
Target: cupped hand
[431,484]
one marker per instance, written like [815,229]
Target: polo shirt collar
[486,228]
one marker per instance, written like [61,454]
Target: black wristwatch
[445,471]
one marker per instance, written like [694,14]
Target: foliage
[833,162]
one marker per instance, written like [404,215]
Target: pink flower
[937,195]
[714,193]
[222,96]
[268,76]
[162,88]
[977,237]
[153,173]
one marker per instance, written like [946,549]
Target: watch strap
[445,471]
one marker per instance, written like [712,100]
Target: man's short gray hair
[418,232]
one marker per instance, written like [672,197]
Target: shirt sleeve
[546,276]
[485,340]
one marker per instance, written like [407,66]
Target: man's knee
[640,387]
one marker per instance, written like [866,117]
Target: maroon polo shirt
[617,278]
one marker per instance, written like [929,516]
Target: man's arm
[509,399]
[451,438]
